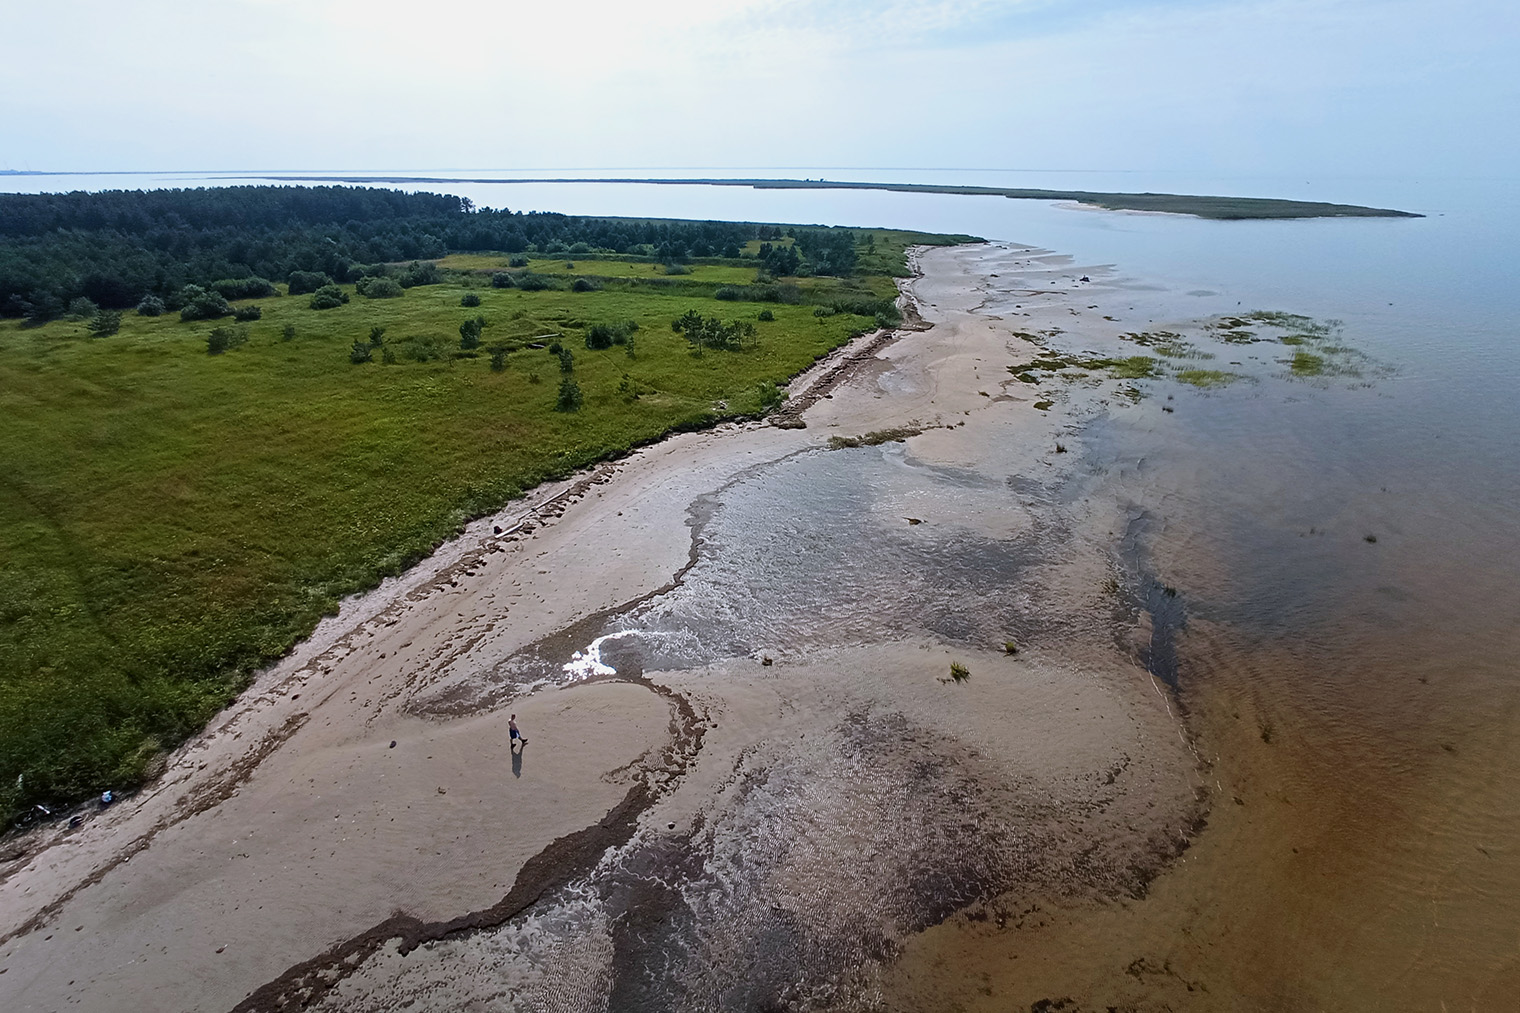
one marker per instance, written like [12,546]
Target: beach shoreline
[424,666]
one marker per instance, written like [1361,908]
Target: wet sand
[764,790]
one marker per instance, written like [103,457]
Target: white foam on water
[588,663]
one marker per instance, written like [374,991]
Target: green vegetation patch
[1207,378]
[171,520]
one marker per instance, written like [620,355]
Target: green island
[227,409]
[1197,205]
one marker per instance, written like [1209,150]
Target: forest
[118,247]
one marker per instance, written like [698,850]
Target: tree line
[116,247]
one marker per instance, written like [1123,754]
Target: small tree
[498,359]
[246,313]
[288,333]
[376,337]
[469,333]
[566,361]
[106,323]
[502,279]
[150,306]
[360,352]
[469,299]
[569,399]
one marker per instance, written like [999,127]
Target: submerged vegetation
[171,520]
[1316,353]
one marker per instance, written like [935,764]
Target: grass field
[170,519]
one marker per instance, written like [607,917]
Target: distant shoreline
[1196,205]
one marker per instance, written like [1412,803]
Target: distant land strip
[1220,208]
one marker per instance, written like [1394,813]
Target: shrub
[569,399]
[585,285]
[498,359]
[469,299]
[555,347]
[222,338]
[959,672]
[601,336]
[244,288]
[376,337]
[579,248]
[729,293]
[534,378]
[150,306]
[419,273]
[501,279]
[530,282]
[246,313]
[198,304]
[379,288]
[360,352]
[82,309]
[327,297]
[566,360]
[677,269]
[106,323]
[517,260]
[823,311]
[302,282]
[704,332]
[766,315]
[387,357]
[288,332]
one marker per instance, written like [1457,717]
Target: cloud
[1207,84]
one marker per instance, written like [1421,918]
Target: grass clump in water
[1207,378]
[959,672]
[1307,364]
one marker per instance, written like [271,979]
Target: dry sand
[292,828]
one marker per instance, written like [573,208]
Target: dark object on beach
[765,659]
[914,520]
[959,672]
[496,529]
[1369,538]
[393,743]
[1010,648]
[1086,278]
[1165,408]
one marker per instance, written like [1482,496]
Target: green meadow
[172,519]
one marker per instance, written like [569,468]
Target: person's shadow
[517,762]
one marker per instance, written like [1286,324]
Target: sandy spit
[363,789]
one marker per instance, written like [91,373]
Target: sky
[1216,86]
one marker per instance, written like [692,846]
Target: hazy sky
[1312,86]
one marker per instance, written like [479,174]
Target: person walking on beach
[513,734]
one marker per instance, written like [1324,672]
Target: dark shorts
[514,733]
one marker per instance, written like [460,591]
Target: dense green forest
[115,248]
[234,407]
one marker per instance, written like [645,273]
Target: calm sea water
[1390,663]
